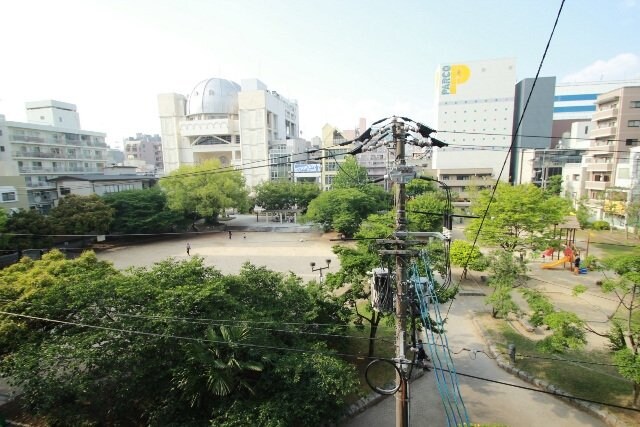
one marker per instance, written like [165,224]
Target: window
[634,123]
[631,142]
[9,196]
[635,104]
[2,148]
[64,191]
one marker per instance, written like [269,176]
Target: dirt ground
[279,251]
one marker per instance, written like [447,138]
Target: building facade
[475,110]
[114,179]
[144,152]
[614,131]
[532,120]
[50,143]
[236,124]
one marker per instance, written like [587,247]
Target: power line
[531,136]
[223,322]
[298,350]
[566,396]
[513,140]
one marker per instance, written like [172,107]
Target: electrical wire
[297,350]
[532,136]
[513,141]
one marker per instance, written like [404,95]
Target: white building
[51,143]
[475,110]
[236,124]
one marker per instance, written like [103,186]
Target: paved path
[486,402]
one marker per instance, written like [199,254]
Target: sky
[340,59]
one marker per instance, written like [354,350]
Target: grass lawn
[612,250]
[596,382]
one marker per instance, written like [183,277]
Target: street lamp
[313,268]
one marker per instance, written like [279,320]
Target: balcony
[610,113]
[602,149]
[40,185]
[597,185]
[38,154]
[603,132]
[23,138]
[600,167]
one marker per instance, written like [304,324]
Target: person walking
[188,249]
[229,234]
[422,356]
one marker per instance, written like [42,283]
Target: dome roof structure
[214,96]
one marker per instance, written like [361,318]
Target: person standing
[188,249]
[229,234]
[576,265]
[422,356]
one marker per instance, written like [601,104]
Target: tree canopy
[142,211]
[519,217]
[81,215]
[279,195]
[27,229]
[350,175]
[205,190]
[625,334]
[425,212]
[175,344]
[342,210]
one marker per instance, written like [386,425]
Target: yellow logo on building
[452,76]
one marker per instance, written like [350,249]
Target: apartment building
[144,152]
[50,143]
[614,130]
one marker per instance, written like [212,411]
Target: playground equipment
[568,257]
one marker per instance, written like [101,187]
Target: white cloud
[621,67]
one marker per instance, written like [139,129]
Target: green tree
[350,175]
[425,212]
[205,190]
[81,215]
[507,273]
[142,211]
[554,185]
[464,254]
[28,229]
[3,229]
[278,195]
[633,215]
[342,210]
[626,343]
[416,187]
[583,215]
[141,347]
[519,217]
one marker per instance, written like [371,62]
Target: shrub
[600,225]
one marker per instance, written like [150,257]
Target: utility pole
[402,396]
